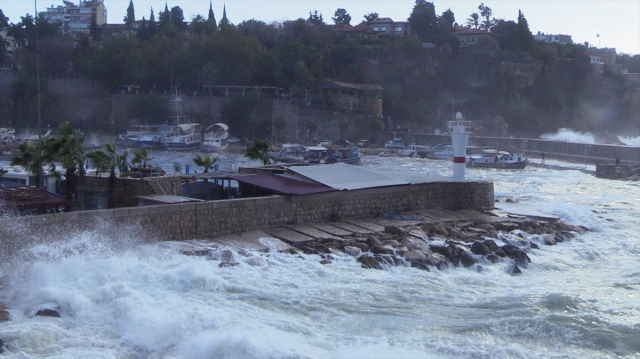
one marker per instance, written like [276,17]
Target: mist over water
[130,299]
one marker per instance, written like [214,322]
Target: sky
[617,22]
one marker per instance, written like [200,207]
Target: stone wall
[569,151]
[216,218]
[126,189]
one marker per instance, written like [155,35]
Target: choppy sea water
[132,300]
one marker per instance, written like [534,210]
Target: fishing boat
[332,154]
[184,137]
[154,137]
[216,138]
[288,153]
[498,159]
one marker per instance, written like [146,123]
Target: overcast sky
[617,21]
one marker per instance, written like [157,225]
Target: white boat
[184,137]
[498,159]
[332,154]
[388,153]
[154,136]
[7,134]
[288,153]
[445,153]
[216,138]
[411,151]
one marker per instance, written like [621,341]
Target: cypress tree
[131,15]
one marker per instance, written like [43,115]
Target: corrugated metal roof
[342,176]
[282,185]
[168,199]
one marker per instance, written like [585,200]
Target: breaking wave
[630,141]
[567,135]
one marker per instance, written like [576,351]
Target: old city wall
[216,218]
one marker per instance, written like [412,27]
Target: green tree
[177,18]
[164,17]
[343,125]
[198,26]
[341,17]
[123,164]
[488,22]
[152,27]
[94,29]
[424,20]
[259,151]
[130,18]
[315,18]
[212,25]
[206,162]
[371,17]
[224,22]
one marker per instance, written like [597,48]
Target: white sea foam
[630,141]
[568,135]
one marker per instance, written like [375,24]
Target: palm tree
[343,124]
[205,162]
[68,150]
[259,150]
[33,156]
[107,161]
[474,20]
[123,164]
[141,157]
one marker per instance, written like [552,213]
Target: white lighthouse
[459,130]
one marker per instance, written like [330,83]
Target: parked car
[233,139]
[395,143]
[363,143]
[325,142]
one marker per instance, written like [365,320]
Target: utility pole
[40,174]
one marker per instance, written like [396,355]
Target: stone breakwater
[443,245]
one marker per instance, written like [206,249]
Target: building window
[383,28]
[397,28]
[375,28]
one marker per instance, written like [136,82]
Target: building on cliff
[348,96]
[76,19]
[378,27]
[469,37]
[553,38]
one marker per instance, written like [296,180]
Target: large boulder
[397,231]
[467,259]
[415,256]
[413,244]
[521,258]
[48,313]
[353,251]
[420,265]
[382,250]
[363,247]
[549,239]
[392,243]
[373,241]
[479,248]
[369,262]
[437,260]
[491,244]
[439,230]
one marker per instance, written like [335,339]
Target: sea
[128,299]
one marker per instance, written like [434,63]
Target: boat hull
[504,166]
[213,148]
[181,146]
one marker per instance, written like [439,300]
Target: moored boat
[332,154]
[498,159]
[444,153]
[184,137]
[216,138]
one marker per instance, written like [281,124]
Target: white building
[553,38]
[76,19]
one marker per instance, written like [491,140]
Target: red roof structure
[281,184]
[30,198]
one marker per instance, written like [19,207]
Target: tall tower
[459,130]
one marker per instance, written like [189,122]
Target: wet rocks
[48,313]
[4,314]
[227,264]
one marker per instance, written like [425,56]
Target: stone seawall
[217,218]
[569,151]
